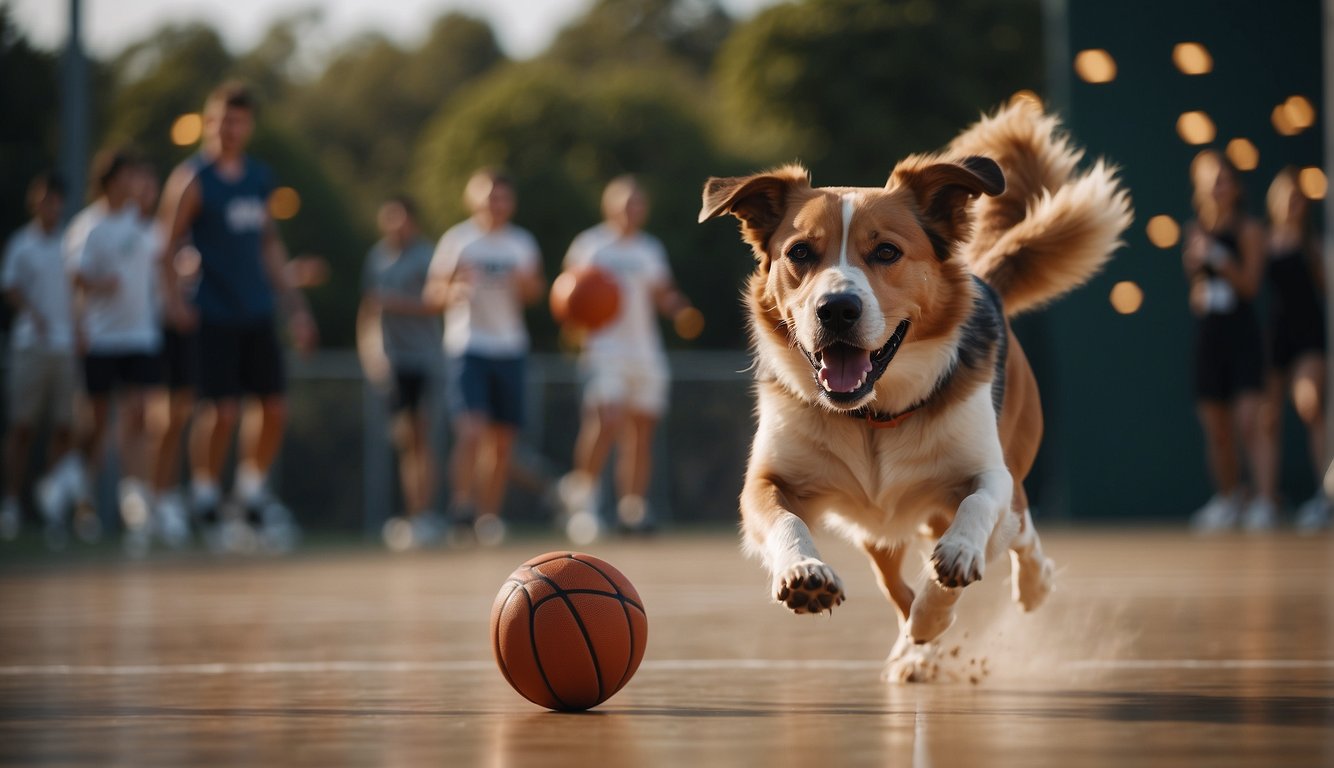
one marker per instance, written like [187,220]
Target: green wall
[1122,439]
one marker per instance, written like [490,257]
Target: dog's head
[848,276]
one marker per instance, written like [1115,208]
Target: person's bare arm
[300,323]
[180,205]
[1247,276]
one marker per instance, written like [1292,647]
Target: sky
[524,27]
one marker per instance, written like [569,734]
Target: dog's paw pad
[809,587]
[957,564]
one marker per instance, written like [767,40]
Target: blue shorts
[490,386]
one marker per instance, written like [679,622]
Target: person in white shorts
[484,271]
[626,368]
[114,274]
[41,357]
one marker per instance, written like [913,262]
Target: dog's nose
[838,312]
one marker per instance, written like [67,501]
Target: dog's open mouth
[847,373]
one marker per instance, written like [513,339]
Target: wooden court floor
[1158,649]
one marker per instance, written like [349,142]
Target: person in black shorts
[217,201]
[1224,262]
[408,349]
[113,274]
[1296,332]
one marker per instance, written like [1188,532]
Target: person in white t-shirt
[114,273]
[484,271]
[41,365]
[626,368]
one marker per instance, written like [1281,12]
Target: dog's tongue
[842,367]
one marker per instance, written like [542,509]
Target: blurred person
[113,270]
[217,201]
[624,362]
[1224,262]
[1296,332]
[485,269]
[393,284]
[42,368]
[114,276]
[170,403]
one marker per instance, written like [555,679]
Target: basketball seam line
[614,596]
[537,657]
[579,622]
[630,625]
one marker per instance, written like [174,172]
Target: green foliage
[363,114]
[322,227]
[644,32]
[849,86]
[28,129]
[156,81]
[563,136]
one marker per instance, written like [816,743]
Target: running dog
[893,397]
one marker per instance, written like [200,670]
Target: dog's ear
[759,201]
[943,190]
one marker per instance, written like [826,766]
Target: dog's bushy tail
[1053,228]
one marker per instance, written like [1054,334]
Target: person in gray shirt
[400,340]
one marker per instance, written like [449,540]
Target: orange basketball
[568,630]
[586,297]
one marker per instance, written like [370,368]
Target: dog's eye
[887,253]
[801,252]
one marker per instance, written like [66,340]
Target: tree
[644,32]
[28,130]
[363,114]
[849,87]
[563,135]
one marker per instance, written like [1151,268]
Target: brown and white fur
[864,307]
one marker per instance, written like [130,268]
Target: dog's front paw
[957,563]
[810,586]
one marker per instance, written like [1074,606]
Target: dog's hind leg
[888,565]
[1032,573]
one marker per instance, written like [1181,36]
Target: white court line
[1202,664]
[666,665]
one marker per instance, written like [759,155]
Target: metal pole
[74,110]
[1328,247]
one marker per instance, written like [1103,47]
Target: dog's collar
[882,422]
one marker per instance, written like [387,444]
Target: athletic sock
[249,483]
[204,492]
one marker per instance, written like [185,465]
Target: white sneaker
[1220,513]
[171,522]
[1260,515]
[11,519]
[583,527]
[397,534]
[1313,515]
[428,528]
[53,499]
[135,510]
[490,530]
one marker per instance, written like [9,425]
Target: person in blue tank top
[218,201]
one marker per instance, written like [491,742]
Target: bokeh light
[186,129]
[1095,66]
[284,203]
[1127,297]
[1312,182]
[1192,58]
[1196,128]
[1243,154]
[1163,231]
[1300,112]
[1283,121]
